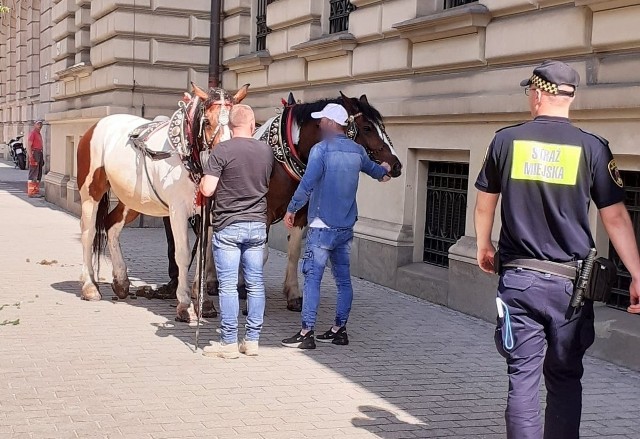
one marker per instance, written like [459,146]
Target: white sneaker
[249,348]
[222,350]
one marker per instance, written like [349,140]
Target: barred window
[620,295]
[448,4]
[261,24]
[339,15]
[447,185]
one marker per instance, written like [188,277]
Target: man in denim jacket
[329,186]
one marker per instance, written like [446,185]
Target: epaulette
[601,139]
[511,126]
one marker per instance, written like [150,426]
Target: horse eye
[367,128]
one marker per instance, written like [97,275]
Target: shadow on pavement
[386,425]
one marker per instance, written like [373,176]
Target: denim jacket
[330,182]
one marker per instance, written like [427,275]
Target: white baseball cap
[334,112]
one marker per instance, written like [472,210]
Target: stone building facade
[75,61]
[444,73]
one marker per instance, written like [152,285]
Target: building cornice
[79,70]
[603,5]
[449,23]
[249,63]
[327,46]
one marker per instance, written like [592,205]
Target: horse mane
[302,112]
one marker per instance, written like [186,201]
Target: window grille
[339,15]
[446,210]
[261,24]
[448,4]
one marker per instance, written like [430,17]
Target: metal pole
[214,43]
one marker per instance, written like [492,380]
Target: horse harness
[279,137]
[185,142]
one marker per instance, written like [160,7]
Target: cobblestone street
[111,369]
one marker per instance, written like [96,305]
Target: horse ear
[291,100]
[241,94]
[364,99]
[199,92]
[347,104]
[186,97]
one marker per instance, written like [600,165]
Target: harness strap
[567,270]
[146,171]
[287,130]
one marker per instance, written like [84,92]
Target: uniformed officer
[547,171]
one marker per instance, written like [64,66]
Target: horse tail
[100,238]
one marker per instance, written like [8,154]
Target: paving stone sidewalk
[76,369]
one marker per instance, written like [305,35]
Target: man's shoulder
[515,129]
[592,137]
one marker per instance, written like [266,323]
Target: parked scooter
[17,152]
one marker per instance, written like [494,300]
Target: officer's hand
[288,219]
[485,258]
[634,292]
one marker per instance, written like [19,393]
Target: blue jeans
[240,242]
[537,304]
[322,245]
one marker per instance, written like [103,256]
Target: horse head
[366,128]
[216,106]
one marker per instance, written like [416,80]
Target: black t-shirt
[244,167]
[547,171]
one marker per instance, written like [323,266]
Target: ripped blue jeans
[324,244]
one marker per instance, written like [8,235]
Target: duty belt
[567,270]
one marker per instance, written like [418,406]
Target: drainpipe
[214,43]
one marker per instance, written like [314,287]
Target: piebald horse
[365,127]
[109,161]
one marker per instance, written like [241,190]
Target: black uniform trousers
[537,304]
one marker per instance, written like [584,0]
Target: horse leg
[291,286]
[114,223]
[183,255]
[208,308]
[90,289]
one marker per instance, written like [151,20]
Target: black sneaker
[300,341]
[340,338]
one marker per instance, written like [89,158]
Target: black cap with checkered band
[550,75]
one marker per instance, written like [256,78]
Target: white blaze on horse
[153,171]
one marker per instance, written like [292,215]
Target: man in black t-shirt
[548,171]
[237,175]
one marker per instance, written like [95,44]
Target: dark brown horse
[365,126]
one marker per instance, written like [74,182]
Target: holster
[602,279]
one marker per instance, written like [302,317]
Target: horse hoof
[209,310]
[121,289]
[209,313]
[294,304]
[91,294]
[183,316]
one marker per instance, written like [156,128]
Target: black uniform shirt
[547,171]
